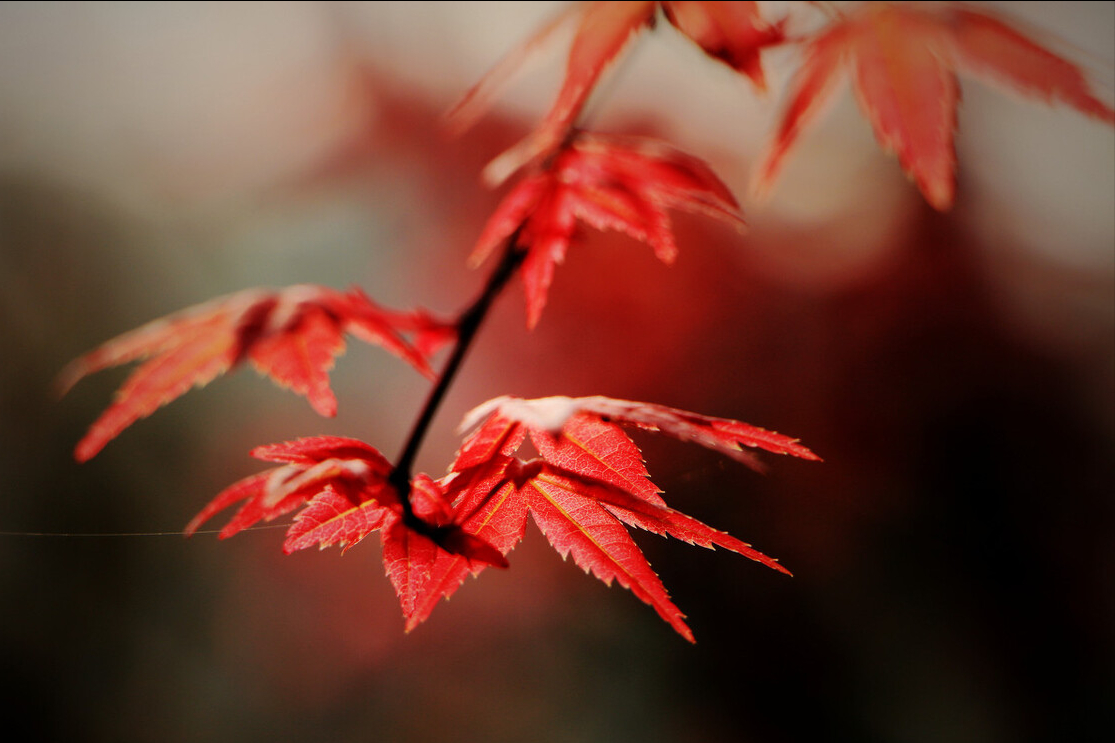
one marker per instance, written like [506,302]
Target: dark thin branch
[469,322]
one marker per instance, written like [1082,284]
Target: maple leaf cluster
[588,483]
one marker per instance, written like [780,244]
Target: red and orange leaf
[578,524]
[660,174]
[513,211]
[733,32]
[611,183]
[266,495]
[438,519]
[904,59]
[678,525]
[164,334]
[545,254]
[292,335]
[290,487]
[204,352]
[540,414]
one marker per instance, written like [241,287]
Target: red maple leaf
[587,486]
[732,32]
[611,183]
[343,487]
[902,60]
[292,335]
[333,470]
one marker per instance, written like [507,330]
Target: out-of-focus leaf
[292,335]
[903,60]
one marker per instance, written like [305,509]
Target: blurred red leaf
[292,335]
[733,32]
[902,60]
[611,183]
[602,32]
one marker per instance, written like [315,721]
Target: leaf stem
[468,323]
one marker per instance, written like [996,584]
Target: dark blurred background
[953,555]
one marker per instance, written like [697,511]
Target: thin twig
[468,324]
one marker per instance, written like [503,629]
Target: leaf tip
[87,448]
[427,371]
[940,193]
[73,373]
[799,450]
[779,567]
[325,406]
[500,169]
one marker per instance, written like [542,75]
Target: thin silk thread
[130,533]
